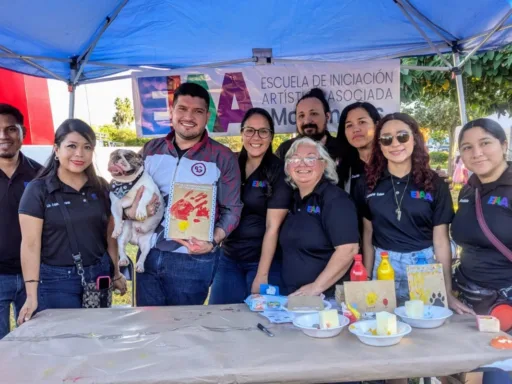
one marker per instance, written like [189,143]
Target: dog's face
[124,164]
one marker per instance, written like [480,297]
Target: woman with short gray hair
[318,247]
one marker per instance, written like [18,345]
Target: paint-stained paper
[426,283]
[191,211]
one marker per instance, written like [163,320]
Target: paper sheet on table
[222,344]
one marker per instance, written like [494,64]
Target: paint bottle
[421,259]
[358,271]
[385,270]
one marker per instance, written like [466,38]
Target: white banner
[276,88]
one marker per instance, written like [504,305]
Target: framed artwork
[371,296]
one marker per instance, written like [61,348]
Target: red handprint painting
[191,211]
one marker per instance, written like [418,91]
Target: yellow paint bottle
[385,270]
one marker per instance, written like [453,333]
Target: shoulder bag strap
[349,181]
[77,257]
[485,229]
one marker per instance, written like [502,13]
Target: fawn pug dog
[128,175]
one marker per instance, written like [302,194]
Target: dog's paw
[118,229]
[123,262]
[139,267]
[141,214]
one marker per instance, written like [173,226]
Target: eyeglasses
[263,133]
[401,137]
[308,161]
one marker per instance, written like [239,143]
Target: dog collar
[120,189]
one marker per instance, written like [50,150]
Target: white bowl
[362,330]
[433,317]
[307,324]
[327,305]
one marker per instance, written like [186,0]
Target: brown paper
[191,212]
[426,283]
[371,296]
[222,344]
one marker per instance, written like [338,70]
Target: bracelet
[31,281]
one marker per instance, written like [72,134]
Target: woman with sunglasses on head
[250,255]
[408,207]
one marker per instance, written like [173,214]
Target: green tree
[487,79]
[126,136]
[124,113]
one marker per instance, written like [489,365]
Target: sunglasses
[401,137]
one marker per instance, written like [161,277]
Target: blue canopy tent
[84,41]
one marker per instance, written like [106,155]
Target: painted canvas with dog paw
[426,283]
[191,211]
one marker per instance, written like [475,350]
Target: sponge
[488,324]
[386,324]
[329,319]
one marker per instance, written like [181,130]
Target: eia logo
[497,200]
[313,209]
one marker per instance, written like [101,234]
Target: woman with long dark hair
[53,272]
[356,130]
[408,207]
[250,255]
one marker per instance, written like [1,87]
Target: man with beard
[312,114]
[16,170]
[177,271]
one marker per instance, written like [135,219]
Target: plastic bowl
[307,324]
[433,317]
[327,305]
[362,330]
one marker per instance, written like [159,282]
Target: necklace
[398,210]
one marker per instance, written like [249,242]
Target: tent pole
[422,33]
[84,57]
[460,89]
[479,45]
[35,65]
[72,89]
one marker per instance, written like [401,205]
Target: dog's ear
[134,159]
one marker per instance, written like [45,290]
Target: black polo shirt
[11,190]
[421,212]
[245,242]
[89,209]
[481,262]
[315,225]
[331,145]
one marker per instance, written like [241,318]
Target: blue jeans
[12,290]
[233,281]
[173,278]
[61,287]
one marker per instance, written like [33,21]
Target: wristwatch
[215,245]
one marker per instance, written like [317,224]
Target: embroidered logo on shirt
[464,201]
[198,169]
[375,194]
[421,195]
[313,209]
[94,196]
[259,184]
[25,183]
[498,200]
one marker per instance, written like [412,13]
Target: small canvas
[191,211]
[371,296]
[426,283]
